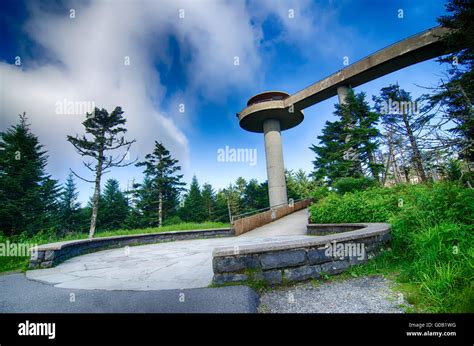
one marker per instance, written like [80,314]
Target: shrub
[174,220]
[350,184]
[432,237]
[319,192]
[374,205]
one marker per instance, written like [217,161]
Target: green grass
[9,264]
[178,227]
[432,257]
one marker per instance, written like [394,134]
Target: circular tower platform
[269,105]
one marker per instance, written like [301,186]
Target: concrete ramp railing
[248,223]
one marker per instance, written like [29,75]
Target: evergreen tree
[456,95]
[222,207]
[239,190]
[50,195]
[113,207]
[143,212]
[162,171]
[291,185]
[255,196]
[209,201]
[263,199]
[348,144]
[69,207]
[401,116]
[299,184]
[330,163]
[233,195]
[105,131]
[365,133]
[27,193]
[193,209]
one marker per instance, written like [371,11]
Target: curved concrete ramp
[174,265]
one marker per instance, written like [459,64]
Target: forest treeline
[34,201]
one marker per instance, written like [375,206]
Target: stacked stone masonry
[302,259]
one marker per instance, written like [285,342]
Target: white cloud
[87,64]
[315,29]
[83,60]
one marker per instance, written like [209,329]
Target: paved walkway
[19,295]
[174,265]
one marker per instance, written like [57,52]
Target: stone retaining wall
[302,259]
[49,255]
[249,223]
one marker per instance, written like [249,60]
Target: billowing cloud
[107,56]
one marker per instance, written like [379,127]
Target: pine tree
[69,209]
[105,131]
[401,117]
[113,207]
[330,163]
[365,134]
[456,95]
[255,196]
[143,211]
[193,209]
[304,185]
[209,201]
[162,171]
[50,195]
[222,207]
[239,187]
[233,198]
[26,192]
[291,185]
[348,145]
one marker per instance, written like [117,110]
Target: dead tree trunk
[414,147]
[160,208]
[96,197]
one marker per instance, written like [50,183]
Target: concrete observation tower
[274,111]
[267,114]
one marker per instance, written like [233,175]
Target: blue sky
[181,56]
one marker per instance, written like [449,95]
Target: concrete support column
[275,167]
[342,92]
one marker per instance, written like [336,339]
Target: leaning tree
[104,133]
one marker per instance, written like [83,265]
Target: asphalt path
[20,295]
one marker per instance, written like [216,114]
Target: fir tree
[70,208]
[255,196]
[348,144]
[143,212]
[456,94]
[209,201]
[27,193]
[162,171]
[113,207]
[193,209]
